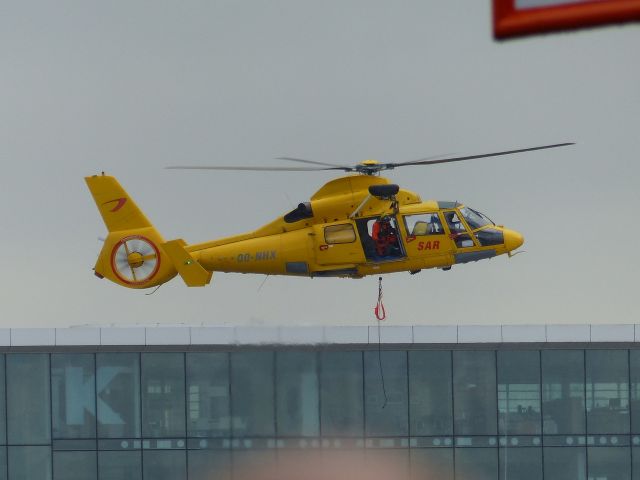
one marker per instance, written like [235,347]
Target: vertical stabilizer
[132,254]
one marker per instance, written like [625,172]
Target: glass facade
[460,414]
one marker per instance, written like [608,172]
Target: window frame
[468,231]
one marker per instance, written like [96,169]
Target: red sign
[524,17]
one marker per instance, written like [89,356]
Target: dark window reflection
[386,407]
[3,463]
[607,391]
[164,465]
[118,395]
[476,464]
[610,463]
[74,466]
[252,394]
[3,412]
[565,463]
[635,452]
[208,395]
[563,403]
[297,394]
[29,463]
[341,402]
[430,392]
[635,393]
[521,463]
[28,397]
[519,392]
[163,387]
[474,392]
[73,395]
[120,465]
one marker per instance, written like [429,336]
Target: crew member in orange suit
[385,237]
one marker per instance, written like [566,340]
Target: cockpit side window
[423,224]
[454,222]
[459,232]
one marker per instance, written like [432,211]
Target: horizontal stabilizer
[193,274]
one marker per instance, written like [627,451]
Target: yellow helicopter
[354,226]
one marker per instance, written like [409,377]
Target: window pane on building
[74,466]
[341,393]
[163,395]
[118,395]
[3,412]
[430,393]
[474,393]
[3,463]
[519,392]
[476,464]
[120,465]
[28,397]
[635,452]
[432,463]
[73,395]
[29,463]
[386,402]
[164,464]
[610,463]
[209,464]
[297,394]
[563,404]
[607,391]
[565,463]
[208,395]
[634,362]
[252,394]
[521,463]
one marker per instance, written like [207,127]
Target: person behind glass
[385,237]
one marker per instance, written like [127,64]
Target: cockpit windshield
[474,218]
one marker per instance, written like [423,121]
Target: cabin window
[343,233]
[423,224]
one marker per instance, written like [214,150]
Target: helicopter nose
[512,239]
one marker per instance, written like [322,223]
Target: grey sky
[130,87]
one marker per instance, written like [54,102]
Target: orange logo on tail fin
[119,205]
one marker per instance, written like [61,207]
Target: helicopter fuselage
[353,226]
[335,236]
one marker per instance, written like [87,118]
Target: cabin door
[337,244]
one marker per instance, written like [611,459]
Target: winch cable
[381,315]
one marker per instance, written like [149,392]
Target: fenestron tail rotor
[368,167]
[135,259]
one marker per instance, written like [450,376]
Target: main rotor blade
[254,169]
[313,162]
[427,161]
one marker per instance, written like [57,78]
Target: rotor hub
[135,259]
[371,167]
